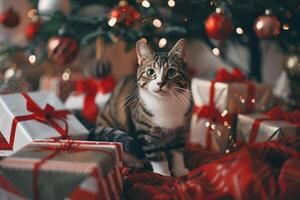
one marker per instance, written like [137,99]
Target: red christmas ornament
[62,49]
[267,26]
[32,29]
[126,14]
[218,26]
[9,18]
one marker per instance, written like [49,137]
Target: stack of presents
[45,153]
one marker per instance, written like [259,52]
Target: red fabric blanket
[269,170]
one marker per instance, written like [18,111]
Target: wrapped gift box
[258,127]
[208,134]
[37,115]
[51,169]
[231,96]
[90,95]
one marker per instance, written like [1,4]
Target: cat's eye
[151,72]
[171,72]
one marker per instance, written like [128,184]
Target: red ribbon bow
[235,76]
[90,87]
[275,113]
[47,115]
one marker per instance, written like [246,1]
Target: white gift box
[230,96]
[76,101]
[14,105]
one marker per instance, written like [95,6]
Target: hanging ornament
[124,14]
[32,29]
[218,26]
[46,7]
[9,18]
[100,67]
[62,49]
[267,26]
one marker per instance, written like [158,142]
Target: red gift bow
[275,113]
[47,115]
[71,147]
[214,115]
[90,87]
[235,76]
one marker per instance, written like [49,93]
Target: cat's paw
[180,171]
[164,173]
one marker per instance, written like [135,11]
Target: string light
[66,75]
[32,59]
[162,42]
[32,13]
[267,12]
[111,22]
[227,151]
[239,30]
[218,10]
[207,124]
[9,73]
[213,126]
[285,27]
[216,51]
[219,133]
[146,4]
[253,100]
[242,100]
[171,3]
[224,113]
[156,23]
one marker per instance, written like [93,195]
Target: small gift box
[210,128]
[275,124]
[231,92]
[36,115]
[90,95]
[66,169]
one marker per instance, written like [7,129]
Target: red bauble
[126,14]
[218,26]
[9,18]
[32,29]
[267,26]
[62,49]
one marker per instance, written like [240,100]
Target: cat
[154,107]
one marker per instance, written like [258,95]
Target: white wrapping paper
[229,96]
[13,105]
[268,129]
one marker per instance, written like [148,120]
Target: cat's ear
[143,51]
[179,49]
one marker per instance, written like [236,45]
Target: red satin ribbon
[275,113]
[215,116]
[90,87]
[65,146]
[235,76]
[47,115]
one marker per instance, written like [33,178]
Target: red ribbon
[65,146]
[91,87]
[215,116]
[47,115]
[275,113]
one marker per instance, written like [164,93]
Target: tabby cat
[154,107]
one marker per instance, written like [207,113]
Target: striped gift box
[59,169]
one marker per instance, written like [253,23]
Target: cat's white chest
[169,113]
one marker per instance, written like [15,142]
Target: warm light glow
[171,3]
[292,61]
[285,27]
[32,13]
[224,113]
[259,25]
[157,23]
[207,124]
[242,100]
[145,3]
[216,51]
[162,42]
[219,133]
[252,100]
[213,126]
[111,22]
[227,151]
[32,59]
[239,30]
[9,73]
[66,75]
[218,10]
[267,12]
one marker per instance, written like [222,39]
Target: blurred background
[47,43]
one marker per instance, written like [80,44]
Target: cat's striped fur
[154,109]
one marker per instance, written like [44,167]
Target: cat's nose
[160,84]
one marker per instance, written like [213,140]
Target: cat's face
[162,74]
